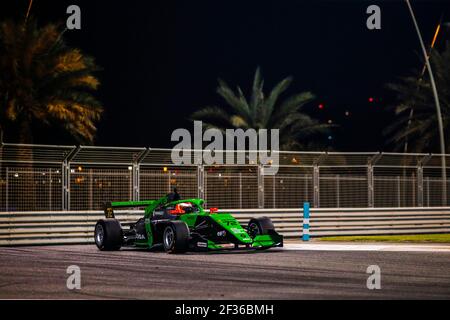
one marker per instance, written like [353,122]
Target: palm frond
[233,100]
[213,116]
[419,127]
[43,79]
[269,105]
[292,105]
[257,92]
[259,112]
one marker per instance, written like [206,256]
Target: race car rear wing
[109,206]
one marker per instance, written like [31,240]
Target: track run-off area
[314,270]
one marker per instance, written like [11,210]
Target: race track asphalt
[40,272]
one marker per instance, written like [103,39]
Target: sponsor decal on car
[227,245]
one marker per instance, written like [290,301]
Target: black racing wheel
[176,237]
[258,226]
[108,234]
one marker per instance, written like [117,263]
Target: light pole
[424,69]
[438,107]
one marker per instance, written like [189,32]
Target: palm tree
[415,114]
[44,81]
[297,129]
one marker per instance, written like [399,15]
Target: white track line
[367,247]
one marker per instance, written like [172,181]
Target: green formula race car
[182,225]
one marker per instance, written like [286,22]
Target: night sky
[161,59]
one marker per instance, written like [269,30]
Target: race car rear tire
[258,226]
[108,234]
[176,237]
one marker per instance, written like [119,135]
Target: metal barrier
[65,227]
[46,177]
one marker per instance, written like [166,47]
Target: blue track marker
[305,221]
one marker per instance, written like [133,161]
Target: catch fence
[51,178]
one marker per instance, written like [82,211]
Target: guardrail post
[316,179]
[305,233]
[260,187]
[201,182]
[136,174]
[7,189]
[338,192]
[420,186]
[370,188]
[65,179]
[50,194]
[91,190]
[240,190]
[136,178]
[370,179]
[420,189]
[274,192]
[316,187]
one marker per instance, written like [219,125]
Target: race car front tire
[176,237]
[108,234]
[259,226]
